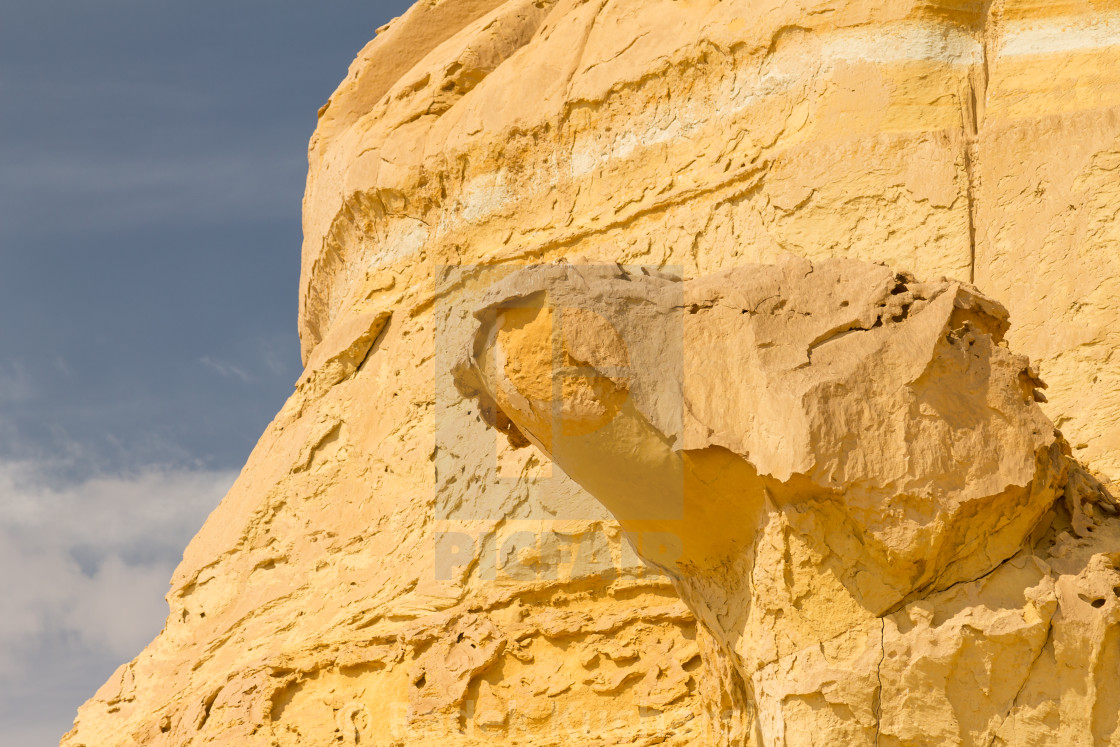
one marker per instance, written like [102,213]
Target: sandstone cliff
[387,571]
[848,477]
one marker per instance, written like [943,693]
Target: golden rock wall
[386,571]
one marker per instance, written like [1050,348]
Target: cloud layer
[83,574]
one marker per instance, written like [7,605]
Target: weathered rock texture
[860,489]
[385,569]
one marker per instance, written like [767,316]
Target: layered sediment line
[387,568]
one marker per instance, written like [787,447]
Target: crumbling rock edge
[647,390]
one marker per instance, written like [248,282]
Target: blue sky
[152,161]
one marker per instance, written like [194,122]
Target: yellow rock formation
[389,570]
[866,506]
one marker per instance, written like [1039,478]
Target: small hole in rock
[1098,603]
[422,681]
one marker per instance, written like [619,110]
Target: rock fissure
[878,703]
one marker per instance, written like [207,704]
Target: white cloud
[225,368]
[84,570]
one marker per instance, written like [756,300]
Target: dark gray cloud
[152,162]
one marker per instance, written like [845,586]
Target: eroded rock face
[386,569]
[851,482]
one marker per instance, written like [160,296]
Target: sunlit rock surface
[388,570]
[847,473]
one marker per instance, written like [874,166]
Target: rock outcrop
[848,475]
[387,570]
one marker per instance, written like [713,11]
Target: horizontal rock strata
[387,569]
[851,481]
